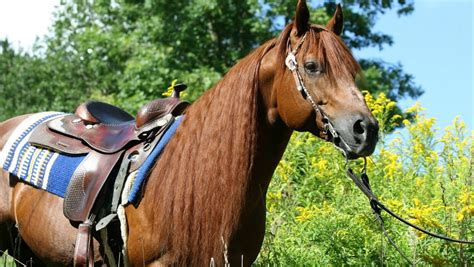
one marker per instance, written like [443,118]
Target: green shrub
[316,215]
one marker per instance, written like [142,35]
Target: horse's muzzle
[358,135]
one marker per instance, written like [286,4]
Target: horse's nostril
[358,127]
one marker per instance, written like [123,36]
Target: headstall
[328,126]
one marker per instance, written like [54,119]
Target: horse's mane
[204,171]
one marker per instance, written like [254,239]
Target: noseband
[328,126]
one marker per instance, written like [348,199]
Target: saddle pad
[53,171]
[38,167]
[138,177]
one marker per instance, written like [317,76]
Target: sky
[23,20]
[434,44]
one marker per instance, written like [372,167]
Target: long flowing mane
[204,170]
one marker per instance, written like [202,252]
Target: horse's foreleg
[244,248]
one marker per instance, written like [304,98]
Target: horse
[204,200]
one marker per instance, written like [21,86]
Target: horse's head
[316,91]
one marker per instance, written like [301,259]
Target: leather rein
[361,182]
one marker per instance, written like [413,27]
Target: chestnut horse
[205,198]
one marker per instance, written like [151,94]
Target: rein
[363,182]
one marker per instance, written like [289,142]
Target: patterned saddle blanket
[52,171]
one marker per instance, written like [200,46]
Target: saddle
[114,144]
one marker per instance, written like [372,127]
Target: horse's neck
[271,146]
[215,169]
[273,133]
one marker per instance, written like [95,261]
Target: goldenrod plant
[317,216]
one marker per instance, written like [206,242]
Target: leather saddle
[109,129]
[114,144]
[105,134]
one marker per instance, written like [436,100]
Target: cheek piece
[328,126]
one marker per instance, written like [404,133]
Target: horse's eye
[311,67]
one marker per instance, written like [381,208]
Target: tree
[128,51]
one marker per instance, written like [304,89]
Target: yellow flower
[394,120]
[170,89]
[464,211]
[392,164]
[321,164]
[419,181]
[465,196]
[305,214]
[424,214]
[272,200]
[418,148]
[391,105]
[440,169]
[415,108]
[395,204]
[274,196]
[284,170]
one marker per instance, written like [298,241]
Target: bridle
[361,182]
[328,126]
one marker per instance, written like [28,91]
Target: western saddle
[114,144]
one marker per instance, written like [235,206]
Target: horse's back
[7,127]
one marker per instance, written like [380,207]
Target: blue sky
[434,44]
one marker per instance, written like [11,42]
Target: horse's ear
[301,24]
[337,21]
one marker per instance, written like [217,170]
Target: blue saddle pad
[38,167]
[52,171]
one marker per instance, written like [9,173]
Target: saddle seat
[109,129]
[99,112]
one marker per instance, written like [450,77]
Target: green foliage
[6,260]
[127,52]
[317,216]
